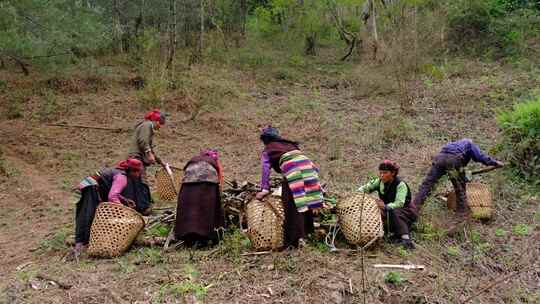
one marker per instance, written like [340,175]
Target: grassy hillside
[347,115]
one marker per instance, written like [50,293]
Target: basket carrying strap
[273,209]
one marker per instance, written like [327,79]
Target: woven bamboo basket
[113,230]
[360,219]
[265,224]
[167,191]
[478,198]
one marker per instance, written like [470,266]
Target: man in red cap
[142,147]
[395,202]
[119,185]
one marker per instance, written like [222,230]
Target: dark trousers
[399,220]
[297,225]
[84,214]
[452,165]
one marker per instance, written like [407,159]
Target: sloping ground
[347,120]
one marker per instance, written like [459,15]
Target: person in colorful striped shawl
[301,192]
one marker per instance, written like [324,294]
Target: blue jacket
[468,150]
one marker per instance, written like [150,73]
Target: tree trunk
[117,26]
[201,35]
[172,33]
[310,47]
[374,30]
[244,8]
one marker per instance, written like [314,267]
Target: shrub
[521,138]
[394,278]
[522,229]
[496,27]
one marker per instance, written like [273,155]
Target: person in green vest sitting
[395,202]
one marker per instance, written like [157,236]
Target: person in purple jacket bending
[452,160]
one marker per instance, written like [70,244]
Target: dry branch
[86,127]
[60,284]
[406,267]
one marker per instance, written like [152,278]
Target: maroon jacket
[276,149]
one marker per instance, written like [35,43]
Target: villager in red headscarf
[199,212]
[395,202]
[119,185]
[142,146]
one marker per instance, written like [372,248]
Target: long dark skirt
[84,214]
[297,225]
[198,213]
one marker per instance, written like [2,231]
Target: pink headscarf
[214,154]
[211,153]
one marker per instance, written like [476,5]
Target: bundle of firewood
[237,195]
[234,198]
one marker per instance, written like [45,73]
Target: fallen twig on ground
[60,284]
[406,267]
[256,253]
[86,127]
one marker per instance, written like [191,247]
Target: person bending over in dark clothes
[119,185]
[452,161]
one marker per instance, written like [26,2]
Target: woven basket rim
[126,208]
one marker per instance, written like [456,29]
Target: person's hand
[262,194]
[130,203]
[500,164]
[316,211]
[151,158]
[380,204]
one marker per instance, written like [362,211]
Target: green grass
[453,251]
[55,243]
[394,278]
[177,290]
[522,230]
[125,266]
[233,244]
[159,230]
[149,256]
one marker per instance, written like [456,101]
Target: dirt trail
[28,197]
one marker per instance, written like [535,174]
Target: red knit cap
[389,165]
[130,163]
[155,115]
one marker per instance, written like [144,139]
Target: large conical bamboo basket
[113,230]
[478,198]
[265,223]
[360,219]
[167,191]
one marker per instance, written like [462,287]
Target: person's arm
[480,157]
[265,177]
[265,172]
[118,185]
[401,196]
[371,186]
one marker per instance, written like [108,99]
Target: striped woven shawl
[303,179]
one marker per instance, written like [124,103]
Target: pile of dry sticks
[234,199]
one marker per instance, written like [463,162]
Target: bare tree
[117,25]
[172,33]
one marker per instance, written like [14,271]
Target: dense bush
[494,27]
[521,137]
